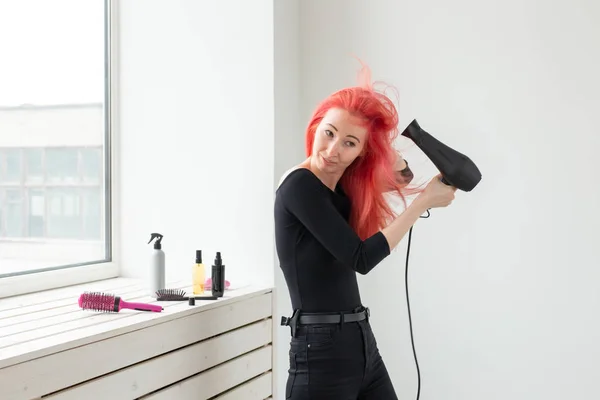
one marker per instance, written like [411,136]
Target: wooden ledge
[39,324]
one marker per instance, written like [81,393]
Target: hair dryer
[457,169]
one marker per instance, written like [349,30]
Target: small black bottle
[218,276]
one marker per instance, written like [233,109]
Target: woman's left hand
[400,163]
[403,173]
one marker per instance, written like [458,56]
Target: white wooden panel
[71,317]
[70,321]
[65,293]
[219,379]
[139,340]
[39,312]
[257,389]
[109,325]
[27,304]
[32,307]
[40,320]
[159,372]
[47,305]
[45,319]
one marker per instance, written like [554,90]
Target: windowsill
[36,240]
[39,324]
[60,278]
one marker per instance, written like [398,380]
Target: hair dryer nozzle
[457,169]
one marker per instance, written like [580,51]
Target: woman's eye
[328,133]
[350,144]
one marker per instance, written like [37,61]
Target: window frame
[45,280]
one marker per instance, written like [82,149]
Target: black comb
[178,295]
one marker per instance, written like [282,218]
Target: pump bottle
[157,265]
[198,274]
[218,276]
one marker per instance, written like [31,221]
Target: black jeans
[337,362]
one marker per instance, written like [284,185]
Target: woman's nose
[332,149]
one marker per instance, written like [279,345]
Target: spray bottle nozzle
[158,237]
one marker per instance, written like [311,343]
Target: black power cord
[412,340]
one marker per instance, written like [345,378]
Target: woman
[332,221]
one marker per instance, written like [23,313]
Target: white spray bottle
[157,266]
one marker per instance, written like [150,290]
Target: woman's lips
[326,161]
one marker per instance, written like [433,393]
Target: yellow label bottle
[198,274]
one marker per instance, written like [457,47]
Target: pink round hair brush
[97,301]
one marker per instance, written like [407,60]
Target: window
[55,147]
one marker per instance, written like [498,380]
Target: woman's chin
[323,166]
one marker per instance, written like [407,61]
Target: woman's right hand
[437,194]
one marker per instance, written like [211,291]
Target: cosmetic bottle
[157,265]
[218,276]
[198,274]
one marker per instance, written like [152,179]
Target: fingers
[440,177]
[437,178]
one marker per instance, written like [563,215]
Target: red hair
[372,174]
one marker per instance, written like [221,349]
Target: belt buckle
[367,313]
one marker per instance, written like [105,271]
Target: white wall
[503,284]
[510,315]
[196,135]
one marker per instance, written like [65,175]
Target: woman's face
[339,140]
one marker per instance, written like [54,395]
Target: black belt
[310,319]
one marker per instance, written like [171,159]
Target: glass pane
[2,211]
[53,135]
[37,212]
[14,213]
[91,165]
[10,160]
[61,165]
[64,219]
[92,213]
[34,165]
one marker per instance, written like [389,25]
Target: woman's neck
[328,179]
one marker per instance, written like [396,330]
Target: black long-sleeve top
[319,253]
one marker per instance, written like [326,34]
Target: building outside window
[52,192]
